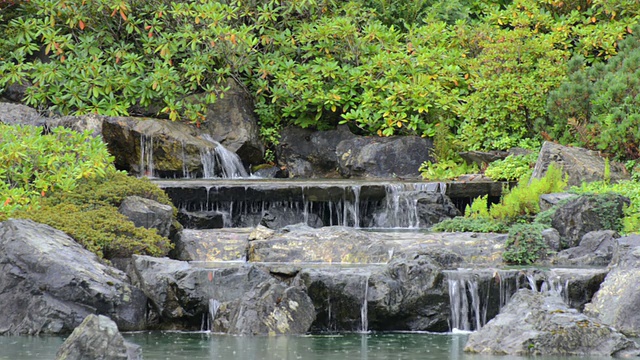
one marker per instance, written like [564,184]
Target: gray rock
[617,302]
[310,154]
[547,201]
[148,213]
[542,324]
[201,219]
[595,249]
[277,218]
[80,123]
[551,237]
[383,157]
[49,283]
[482,158]
[212,245]
[580,215]
[15,92]
[580,165]
[97,338]
[17,114]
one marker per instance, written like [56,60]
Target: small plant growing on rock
[525,244]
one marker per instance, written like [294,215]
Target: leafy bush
[525,244]
[512,168]
[463,223]
[32,165]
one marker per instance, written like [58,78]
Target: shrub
[630,189]
[460,223]
[512,168]
[525,244]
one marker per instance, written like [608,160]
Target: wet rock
[277,218]
[271,172]
[97,337]
[148,213]
[618,300]
[49,283]
[310,154]
[17,114]
[482,158]
[79,123]
[585,213]
[212,245]
[580,165]
[201,219]
[383,157]
[414,209]
[542,324]
[595,249]
[547,201]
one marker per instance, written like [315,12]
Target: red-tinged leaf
[123,16]
[147,27]
[150,34]
[81,24]
[6,202]
[629,30]
[114,12]
[63,58]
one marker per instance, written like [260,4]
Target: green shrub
[33,165]
[630,189]
[525,244]
[464,224]
[512,168]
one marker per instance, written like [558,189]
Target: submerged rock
[97,338]
[542,324]
[49,283]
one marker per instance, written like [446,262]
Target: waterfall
[220,161]
[146,156]
[210,316]
[364,316]
[401,204]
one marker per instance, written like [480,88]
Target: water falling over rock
[220,162]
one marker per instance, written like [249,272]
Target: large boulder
[212,245]
[577,216]
[148,213]
[79,123]
[232,122]
[618,300]
[383,157]
[310,154]
[17,114]
[49,283]
[542,324]
[595,249]
[97,338]
[580,165]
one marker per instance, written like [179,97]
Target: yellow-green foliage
[478,209]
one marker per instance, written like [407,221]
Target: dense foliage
[483,68]
[525,244]
[630,189]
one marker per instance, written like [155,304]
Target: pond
[202,345]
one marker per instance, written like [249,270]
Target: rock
[271,172]
[16,92]
[551,237]
[17,114]
[622,246]
[482,158]
[580,165]
[154,147]
[542,324]
[595,249]
[201,219]
[271,308]
[618,300]
[547,201]
[232,122]
[310,154]
[585,213]
[97,337]
[383,157]
[212,245]
[431,209]
[148,213]
[276,218]
[80,123]
[49,283]
[578,286]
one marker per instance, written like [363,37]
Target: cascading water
[146,156]
[401,205]
[219,162]
[364,309]
[210,316]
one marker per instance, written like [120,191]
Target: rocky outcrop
[595,249]
[577,216]
[97,337]
[49,283]
[277,218]
[79,123]
[383,157]
[16,114]
[212,245]
[547,201]
[201,219]
[310,154]
[617,302]
[232,122]
[148,213]
[580,165]
[542,324]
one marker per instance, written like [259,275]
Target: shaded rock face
[97,337]
[148,213]
[383,157]
[232,122]
[80,123]
[595,249]
[49,283]
[580,165]
[277,218]
[617,302]
[580,215]
[542,324]
[201,219]
[211,245]
[16,114]
[310,154]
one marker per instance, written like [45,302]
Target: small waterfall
[220,161]
[364,316]
[401,204]
[146,156]
[210,316]
[185,169]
